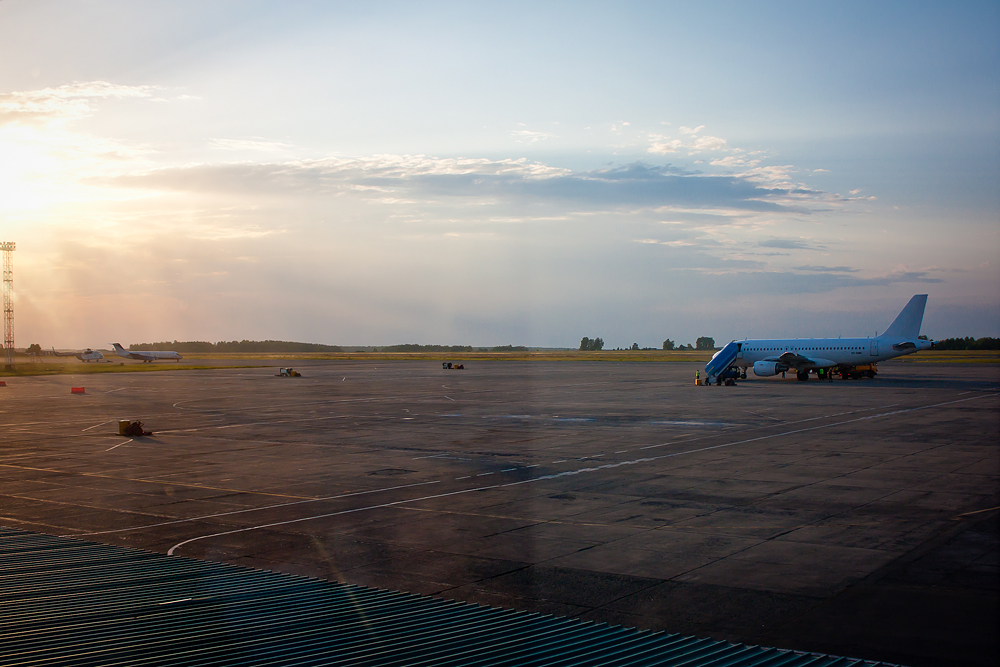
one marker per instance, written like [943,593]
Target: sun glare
[27,170]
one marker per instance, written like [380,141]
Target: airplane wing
[799,362]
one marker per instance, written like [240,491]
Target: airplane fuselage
[826,352]
[770,356]
[145,356]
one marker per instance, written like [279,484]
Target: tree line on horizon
[703,343]
[415,347]
[235,346]
[586,344]
[968,343]
[280,346]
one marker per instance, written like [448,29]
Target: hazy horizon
[522,174]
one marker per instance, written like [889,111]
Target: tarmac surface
[856,518]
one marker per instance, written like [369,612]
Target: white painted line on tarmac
[280,421]
[171,550]
[254,509]
[119,445]
[96,425]
[988,509]
[800,421]
[608,466]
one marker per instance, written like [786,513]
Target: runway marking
[280,421]
[451,399]
[800,421]
[171,550]
[224,426]
[608,466]
[253,509]
[155,481]
[96,425]
[119,445]
[988,509]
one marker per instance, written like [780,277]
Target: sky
[497,173]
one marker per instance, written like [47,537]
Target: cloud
[826,269]
[903,276]
[530,136]
[256,144]
[787,244]
[662,144]
[421,178]
[668,146]
[63,103]
[733,161]
[707,144]
[740,283]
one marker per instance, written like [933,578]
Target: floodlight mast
[8,303]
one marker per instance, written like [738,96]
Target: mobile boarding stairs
[721,366]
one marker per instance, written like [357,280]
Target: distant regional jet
[821,355]
[147,357]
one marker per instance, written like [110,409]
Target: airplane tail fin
[907,323]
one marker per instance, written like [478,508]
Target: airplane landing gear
[802,376]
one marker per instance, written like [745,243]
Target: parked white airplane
[147,357]
[821,355]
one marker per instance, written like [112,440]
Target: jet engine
[768,368]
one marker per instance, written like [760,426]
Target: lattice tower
[8,303]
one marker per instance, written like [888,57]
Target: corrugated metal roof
[71,602]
